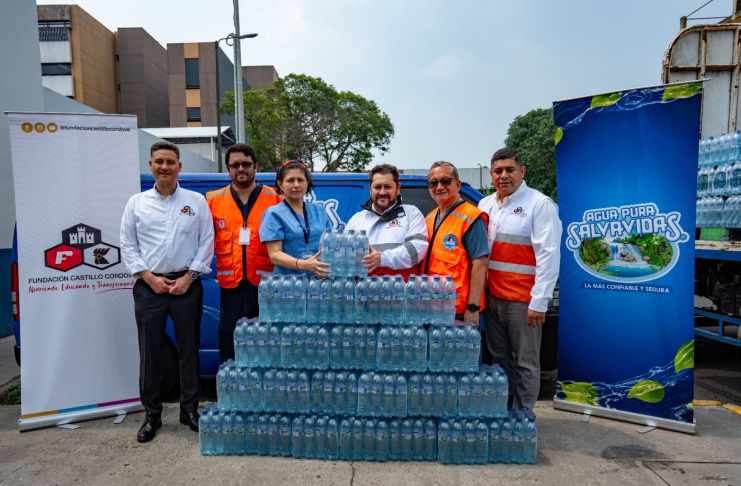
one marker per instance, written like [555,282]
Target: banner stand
[77,415]
[636,418]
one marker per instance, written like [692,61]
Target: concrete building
[201,143]
[121,72]
[199,73]
[142,77]
[77,56]
[259,76]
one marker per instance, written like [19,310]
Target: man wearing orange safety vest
[525,236]
[458,244]
[237,210]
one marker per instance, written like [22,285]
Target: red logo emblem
[63,257]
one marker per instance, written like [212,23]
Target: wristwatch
[473,308]
[194,275]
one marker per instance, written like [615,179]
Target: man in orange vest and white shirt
[397,232]
[241,257]
[525,237]
[458,244]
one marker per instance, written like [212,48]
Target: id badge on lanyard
[244,235]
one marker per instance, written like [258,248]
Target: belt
[171,275]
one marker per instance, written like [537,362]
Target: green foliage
[580,392]
[594,253]
[532,135]
[685,357]
[648,391]
[11,395]
[655,247]
[300,116]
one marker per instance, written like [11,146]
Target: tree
[531,135]
[300,116]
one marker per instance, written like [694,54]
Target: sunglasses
[445,182]
[244,165]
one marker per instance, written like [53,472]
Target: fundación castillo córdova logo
[82,245]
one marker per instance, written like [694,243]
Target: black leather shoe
[149,428]
[190,419]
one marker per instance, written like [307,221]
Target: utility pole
[239,100]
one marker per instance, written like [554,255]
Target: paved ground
[571,452]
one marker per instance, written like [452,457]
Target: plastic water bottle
[325,308]
[297,437]
[374,300]
[410,301]
[396,312]
[369,440]
[424,299]
[735,180]
[436,360]
[345,440]
[436,301]
[339,268]
[369,356]
[348,341]
[388,402]
[387,288]
[506,439]
[420,350]
[457,442]
[450,299]
[348,301]
[263,298]
[418,440]
[358,449]
[444,446]
[362,249]
[361,302]
[335,302]
[350,263]
[414,396]
[464,396]
[327,249]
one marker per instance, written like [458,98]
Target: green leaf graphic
[580,392]
[681,91]
[557,135]
[648,391]
[685,357]
[601,101]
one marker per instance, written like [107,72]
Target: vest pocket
[223,242]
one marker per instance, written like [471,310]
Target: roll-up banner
[626,168]
[79,355]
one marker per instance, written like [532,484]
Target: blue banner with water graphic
[626,169]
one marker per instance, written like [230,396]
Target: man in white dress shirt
[167,240]
[397,232]
[525,236]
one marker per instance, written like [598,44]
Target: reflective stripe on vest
[511,272]
[447,255]
[227,218]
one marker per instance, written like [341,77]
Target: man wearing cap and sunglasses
[458,243]
[241,257]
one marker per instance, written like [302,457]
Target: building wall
[203,96]
[260,76]
[176,84]
[142,77]
[91,46]
[93,66]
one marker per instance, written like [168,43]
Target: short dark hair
[384,169]
[280,174]
[445,163]
[242,148]
[506,153]
[164,145]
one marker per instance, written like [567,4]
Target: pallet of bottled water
[362,368]
[719,182]
[263,345]
[509,440]
[387,300]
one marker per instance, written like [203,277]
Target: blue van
[342,194]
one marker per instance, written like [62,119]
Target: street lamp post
[238,102]
[231,39]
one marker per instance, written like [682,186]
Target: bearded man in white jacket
[397,232]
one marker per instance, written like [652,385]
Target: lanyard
[305,229]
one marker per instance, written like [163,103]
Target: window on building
[191,74]
[193,114]
[56,69]
[54,31]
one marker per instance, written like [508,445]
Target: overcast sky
[452,75]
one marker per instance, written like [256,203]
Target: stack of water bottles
[719,182]
[362,368]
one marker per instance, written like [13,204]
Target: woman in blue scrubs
[291,230]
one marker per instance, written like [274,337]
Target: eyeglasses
[445,182]
[244,165]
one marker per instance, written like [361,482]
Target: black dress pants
[151,311]
[236,303]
